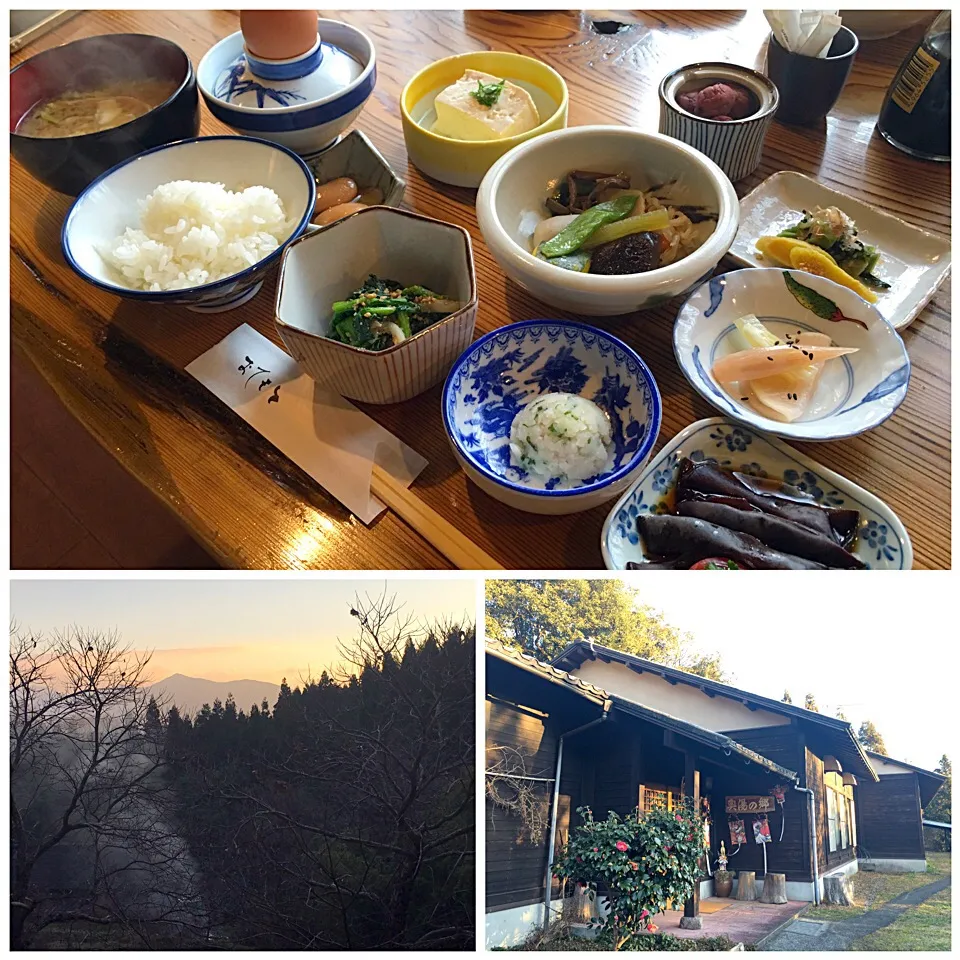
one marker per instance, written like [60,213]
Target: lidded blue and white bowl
[496,377]
[303,103]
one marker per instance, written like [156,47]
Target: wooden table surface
[119,367]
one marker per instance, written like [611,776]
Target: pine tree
[786,698]
[152,724]
[870,738]
[840,714]
[810,703]
[939,808]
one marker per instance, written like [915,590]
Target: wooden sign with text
[750,805]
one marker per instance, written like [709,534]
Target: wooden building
[611,731]
[890,815]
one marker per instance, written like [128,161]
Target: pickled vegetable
[815,261]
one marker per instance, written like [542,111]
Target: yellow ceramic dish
[463,163]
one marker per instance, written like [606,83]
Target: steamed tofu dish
[480,106]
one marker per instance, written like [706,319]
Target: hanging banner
[738,833]
[750,804]
[761,830]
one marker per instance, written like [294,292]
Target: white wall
[894,866]
[678,700]
[882,767]
[509,928]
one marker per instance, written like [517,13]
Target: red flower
[596,849]
[621,846]
[679,819]
[645,913]
[667,849]
[651,928]
[634,866]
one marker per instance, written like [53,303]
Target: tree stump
[838,890]
[747,885]
[582,907]
[774,888]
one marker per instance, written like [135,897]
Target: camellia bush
[642,862]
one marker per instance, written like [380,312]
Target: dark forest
[339,817]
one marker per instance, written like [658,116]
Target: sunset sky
[229,630]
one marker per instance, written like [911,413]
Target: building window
[654,797]
[840,813]
[832,821]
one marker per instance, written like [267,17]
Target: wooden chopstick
[442,534]
[39,29]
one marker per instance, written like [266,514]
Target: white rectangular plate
[913,261]
[882,543]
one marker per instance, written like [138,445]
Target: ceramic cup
[735,146]
[810,86]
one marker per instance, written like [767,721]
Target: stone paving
[839,934]
[742,921]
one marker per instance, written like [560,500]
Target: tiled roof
[710,738]
[532,664]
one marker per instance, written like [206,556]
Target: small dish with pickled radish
[791,353]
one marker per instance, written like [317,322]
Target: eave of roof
[583,649]
[700,734]
[531,664]
[719,741]
[930,780]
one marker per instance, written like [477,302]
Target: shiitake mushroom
[636,253]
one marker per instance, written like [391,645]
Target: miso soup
[77,113]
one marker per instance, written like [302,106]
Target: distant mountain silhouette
[191,693]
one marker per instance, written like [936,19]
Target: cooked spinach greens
[383,313]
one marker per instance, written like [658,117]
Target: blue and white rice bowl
[305,113]
[856,393]
[512,366]
[111,204]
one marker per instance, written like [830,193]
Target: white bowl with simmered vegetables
[606,220]
[791,354]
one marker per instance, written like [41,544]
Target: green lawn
[872,890]
[925,927]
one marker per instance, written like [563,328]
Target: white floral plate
[855,393]
[882,543]
[914,262]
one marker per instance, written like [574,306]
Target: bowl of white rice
[551,416]
[198,223]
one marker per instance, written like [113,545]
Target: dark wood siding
[889,820]
[617,777]
[781,744]
[515,865]
[828,860]
[814,777]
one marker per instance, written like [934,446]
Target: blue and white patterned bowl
[507,369]
[110,204]
[856,392]
[882,543]
[306,114]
